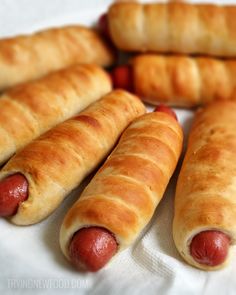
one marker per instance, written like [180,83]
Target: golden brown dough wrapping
[25,58]
[174,27]
[124,193]
[181,80]
[206,187]
[59,160]
[31,109]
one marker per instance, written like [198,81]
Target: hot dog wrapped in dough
[31,109]
[121,198]
[173,27]
[25,58]
[177,80]
[204,227]
[37,179]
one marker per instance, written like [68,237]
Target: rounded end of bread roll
[206,248]
[124,25]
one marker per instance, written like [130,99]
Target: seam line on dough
[110,199]
[132,178]
[157,139]
[141,156]
[25,109]
[90,133]
[161,122]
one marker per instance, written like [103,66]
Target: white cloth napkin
[30,258]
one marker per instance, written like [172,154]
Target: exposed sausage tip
[103,25]
[122,77]
[165,109]
[210,247]
[91,248]
[13,191]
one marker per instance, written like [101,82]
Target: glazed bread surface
[25,58]
[206,187]
[174,27]
[125,191]
[31,109]
[183,80]
[60,159]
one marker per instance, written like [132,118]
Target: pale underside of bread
[206,187]
[60,159]
[174,27]
[25,58]
[125,191]
[31,109]
[183,80]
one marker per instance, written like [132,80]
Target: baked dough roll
[25,58]
[121,198]
[29,110]
[177,80]
[204,227]
[55,163]
[173,27]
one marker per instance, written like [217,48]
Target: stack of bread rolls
[60,119]
[176,28]
[185,57]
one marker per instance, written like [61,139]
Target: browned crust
[205,193]
[60,159]
[174,27]
[31,109]
[182,80]
[125,191]
[25,58]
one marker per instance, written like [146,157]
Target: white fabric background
[30,258]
